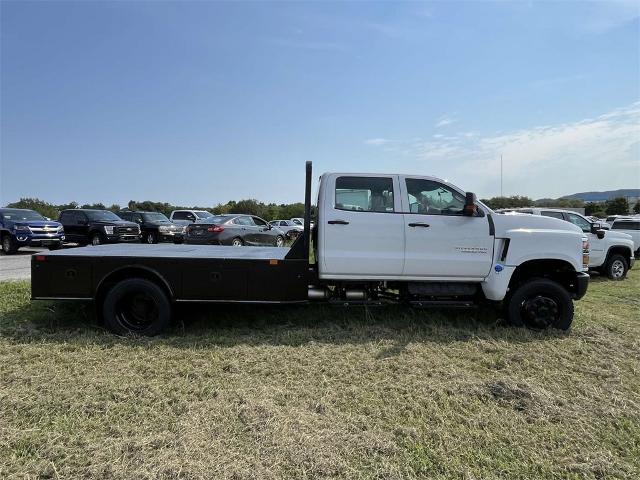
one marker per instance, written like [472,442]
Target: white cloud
[599,153]
[444,121]
[377,141]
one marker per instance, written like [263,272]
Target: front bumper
[581,285]
[38,240]
[123,238]
[171,237]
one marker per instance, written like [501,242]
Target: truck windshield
[155,217]
[200,214]
[21,215]
[99,215]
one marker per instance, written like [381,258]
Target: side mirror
[595,227]
[470,207]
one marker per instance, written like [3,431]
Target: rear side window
[547,213]
[625,226]
[247,221]
[364,194]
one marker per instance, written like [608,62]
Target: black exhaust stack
[300,248]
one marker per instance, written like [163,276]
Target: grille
[127,230]
[43,230]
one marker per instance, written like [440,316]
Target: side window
[625,226]
[124,215]
[433,198]
[547,213]
[364,194]
[580,222]
[136,217]
[258,221]
[181,216]
[283,224]
[245,221]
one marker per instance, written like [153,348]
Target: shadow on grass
[230,325]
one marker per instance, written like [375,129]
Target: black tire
[279,241]
[616,267]
[96,239]
[150,238]
[8,245]
[136,306]
[540,304]
[237,242]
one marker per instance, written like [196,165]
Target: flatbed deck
[173,251]
[189,273]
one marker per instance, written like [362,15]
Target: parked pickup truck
[631,227]
[411,239]
[27,228]
[154,226]
[95,227]
[611,252]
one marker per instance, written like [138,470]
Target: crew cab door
[597,246]
[361,233]
[440,242]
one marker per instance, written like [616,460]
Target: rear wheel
[540,304]
[279,241]
[8,245]
[237,242]
[136,306]
[616,267]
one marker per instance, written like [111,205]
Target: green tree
[43,208]
[636,207]
[515,201]
[617,206]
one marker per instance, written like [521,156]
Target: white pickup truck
[631,227]
[379,238]
[611,252]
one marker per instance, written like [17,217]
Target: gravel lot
[18,265]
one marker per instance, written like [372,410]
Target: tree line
[268,211]
[613,206]
[273,211]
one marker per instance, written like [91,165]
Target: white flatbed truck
[410,239]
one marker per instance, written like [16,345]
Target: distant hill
[602,196]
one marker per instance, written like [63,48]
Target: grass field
[322,392]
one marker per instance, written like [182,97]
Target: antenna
[501,176]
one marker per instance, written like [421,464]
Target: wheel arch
[134,271]
[626,252]
[560,271]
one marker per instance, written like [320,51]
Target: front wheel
[151,238]
[96,239]
[279,241]
[616,267]
[8,245]
[136,306]
[540,304]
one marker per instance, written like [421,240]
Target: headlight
[585,253]
[22,228]
[108,229]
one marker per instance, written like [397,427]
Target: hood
[37,223]
[525,221]
[121,223]
[612,234]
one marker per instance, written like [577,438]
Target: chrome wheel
[95,240]
[617,269]
[279,241]
[150,239]
[6,244]
[237,242]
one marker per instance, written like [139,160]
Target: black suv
[86,226]
[155,226]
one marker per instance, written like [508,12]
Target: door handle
[419,224]
[338,222]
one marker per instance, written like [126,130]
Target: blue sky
[202,102]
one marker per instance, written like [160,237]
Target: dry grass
[321,392]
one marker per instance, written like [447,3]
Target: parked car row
[612,253]
[23,228]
